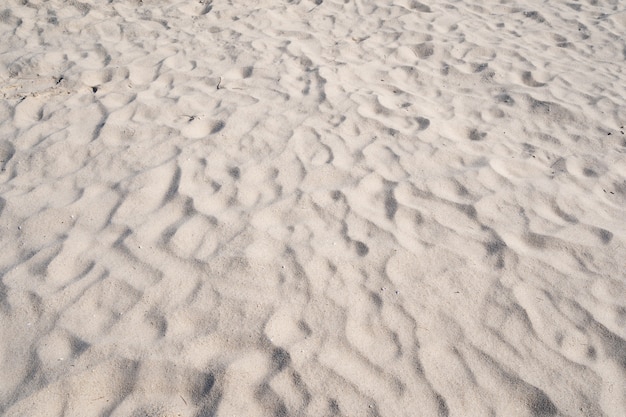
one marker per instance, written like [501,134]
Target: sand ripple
[311,208]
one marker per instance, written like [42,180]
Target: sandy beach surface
[312,208]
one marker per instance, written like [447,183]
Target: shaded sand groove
[312,208]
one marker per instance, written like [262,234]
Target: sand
[312,208]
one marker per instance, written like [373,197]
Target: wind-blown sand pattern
[312,208]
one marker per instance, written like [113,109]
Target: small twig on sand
[317,3]
[219,83]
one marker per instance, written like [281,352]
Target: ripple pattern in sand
[309,208]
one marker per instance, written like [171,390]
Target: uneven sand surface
[312,208]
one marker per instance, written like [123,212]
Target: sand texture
[312,208]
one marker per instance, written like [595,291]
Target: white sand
[284,208]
